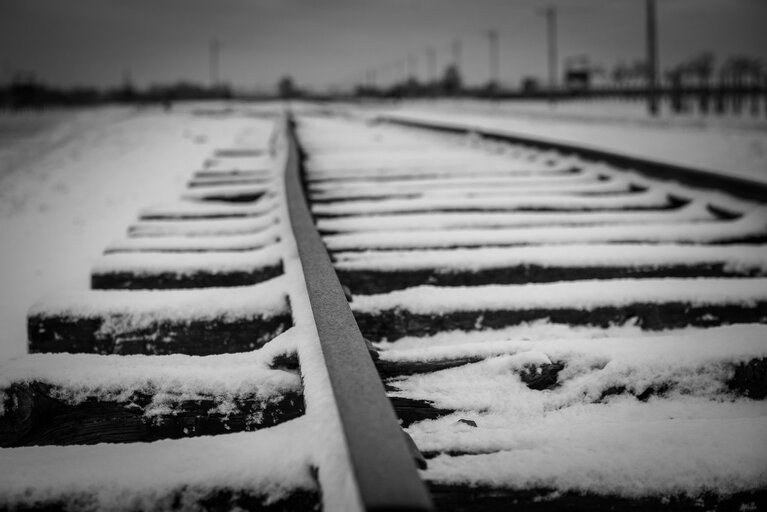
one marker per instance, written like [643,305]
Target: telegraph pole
[127,78]
[431,58]
[652,58]
[401,71]
[551,35]
[214,51]
[492,40]
[412,66]
[457,54]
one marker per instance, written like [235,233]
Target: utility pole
[652,58]
[431,58]
[492,40]
[457,54]
[214,51]
[401,71]
[127,91]
[551,36]
[412,66]
[127,78]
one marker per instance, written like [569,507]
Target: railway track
[554,331]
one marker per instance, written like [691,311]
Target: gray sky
[332,42]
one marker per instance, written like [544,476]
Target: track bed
[338,315]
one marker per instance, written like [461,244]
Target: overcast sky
[333,42]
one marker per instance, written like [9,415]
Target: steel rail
[383,465]
[741,187]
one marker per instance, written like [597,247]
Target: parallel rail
[741,187]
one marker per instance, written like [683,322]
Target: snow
[464,220]
[61,205]
[591,178]
[376,221]
[616,112]
[257,135]
[509,160]
[28,134]
[447,170]
[247,164]
[649,356]
[232,174]
[631,450]
[207,209]
[382,155]
[738,151]
[384,190]
[375,160]
[697,438]
[152,476]
[169,379]
[739,258]
[226,191]
[544,201]
[189,263]
[184,243]
[751,225]
[202,227]
[525,331]
[226,179]
[432,300]
[141,307]
[415,183]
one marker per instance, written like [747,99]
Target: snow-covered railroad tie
[213,243]
[147,270]
[193,321]
[252,389]
[206,210]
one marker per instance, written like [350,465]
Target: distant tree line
[26,92]
[450,84]
[700,70]
[698,80]
[583,78]
[727,87]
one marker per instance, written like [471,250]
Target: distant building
[578,73]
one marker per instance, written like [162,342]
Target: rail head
[741,187]
[383,466]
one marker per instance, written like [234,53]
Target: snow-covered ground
[76,182]
[615,111]
[733,146]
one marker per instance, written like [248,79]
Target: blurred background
[703,55]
